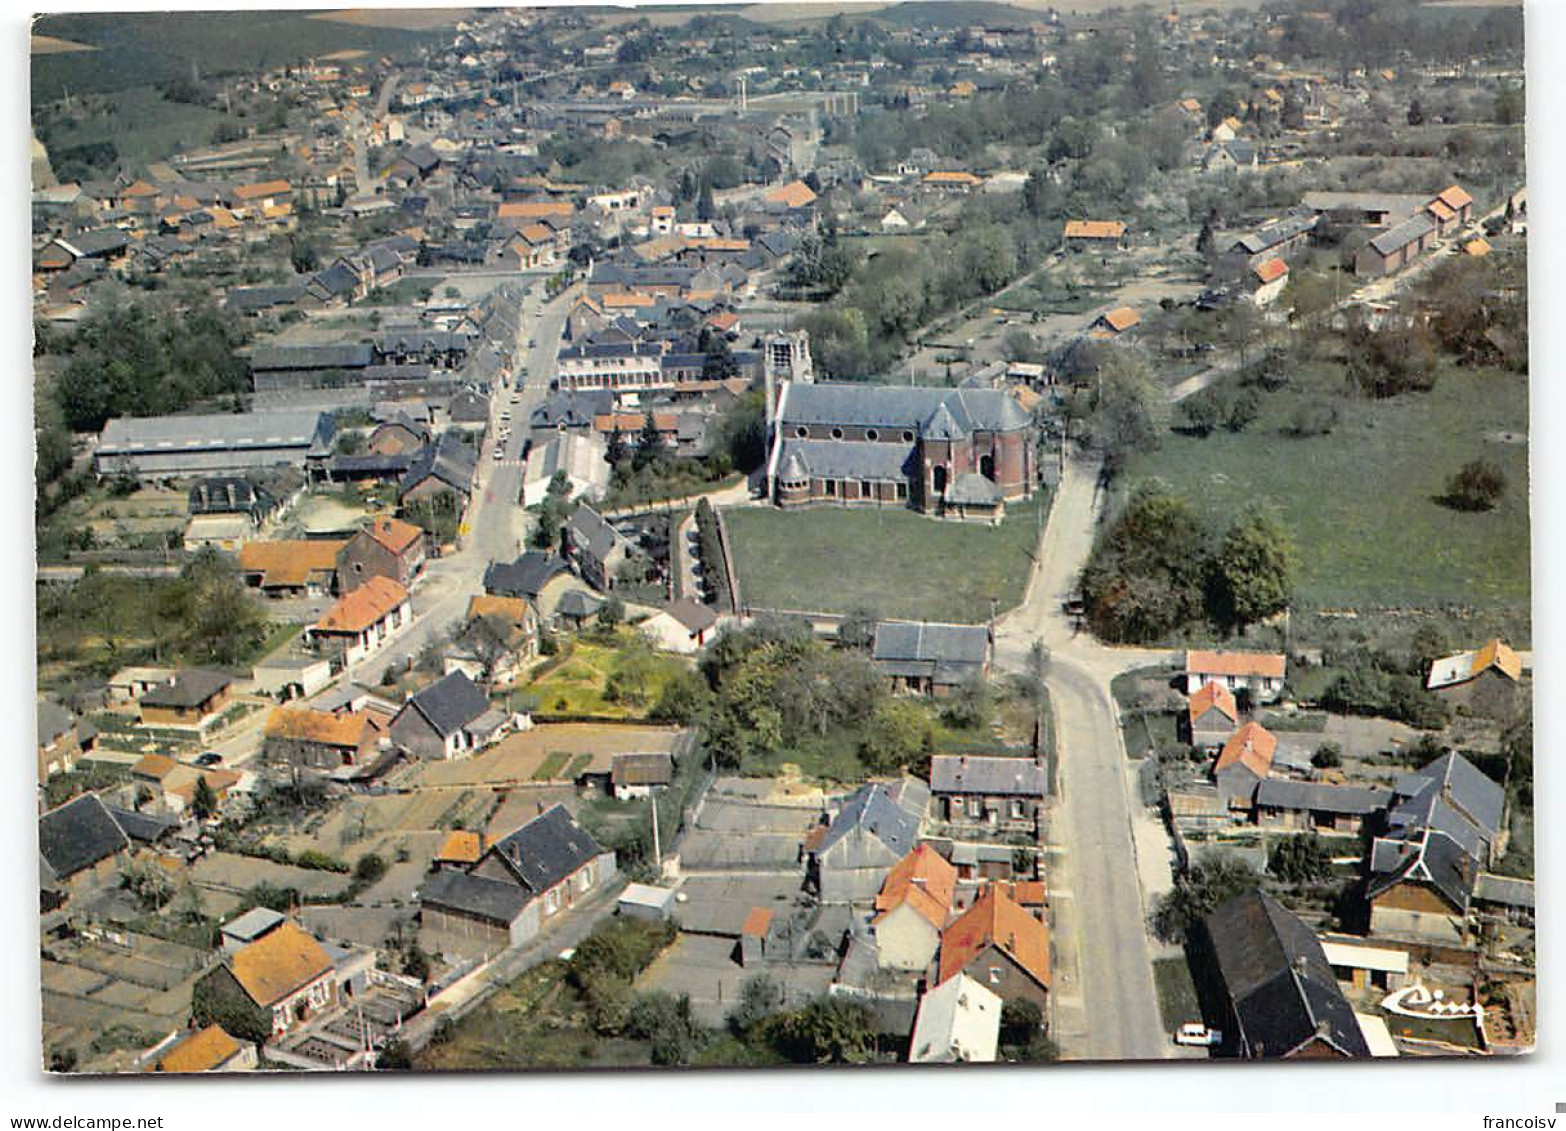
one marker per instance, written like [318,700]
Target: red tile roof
[1269,665]
[923,879]
[358,610]
[999,920]
[1213,695]
[1271,270]
[1251,746]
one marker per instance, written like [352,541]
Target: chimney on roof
[1011,940]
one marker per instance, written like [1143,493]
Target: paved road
[1106,1007]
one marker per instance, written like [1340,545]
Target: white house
[364,620]
[958,1022]
[684,627]
[1261,673]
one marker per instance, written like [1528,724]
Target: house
[597,549]
[128,685]
[1485,681]
[1441,831]
[682,626]
[232,494]
[1112,323]
[912,907]
[999,793]
[1094,233]
[539,578]
[398,436]
[849,858]
[1277,991]
[792,196]
[324,740]
[296,567]
[363,620]
[450,718]
[1320,806]
[446,467]
[953,181]
[518,886]
[207,1050]
[902,218]
[958,1023]
[1245,760]
[1268,278]
[509,626]
[286,975]
[1397,247]
[174,785]
[930,659]
[959,453]
[1211,716]
[385,547]
[999,945]
[62,738]
[292,677]
[80,845]
[189,698]
[640,775]
[1259,673]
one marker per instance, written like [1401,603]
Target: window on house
[831,486]
[837,433]
[908,436]
[995,975]
[802,432]
[1019,808]
[872,434]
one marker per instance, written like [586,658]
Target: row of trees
[1160,568]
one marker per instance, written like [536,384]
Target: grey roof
[1279,981]
[906,407]
[253,923]
[547,849]
[578,604]
[872,809]
[941,425]
[450,703]
[1426,856]
[1271,235]
[420,340]
[1393,203]
[246,299]
[1507,890]
[99,241]
[1319,797]
[944,643]
[144,828]
[695,616]
[156,434]
[642,769]
[980,774]
[77,835]
[973,490]
[229,494]
[477,896]
[590,533]
[1453,779]
[189,688]
[1415,227]
[848,459]
[468,406]
[371,463]
[572,410]
[524,577]
[54,720]
[448,460]
[600,350]
[338,279]
[351,355]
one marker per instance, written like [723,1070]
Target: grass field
[1177,1002]
[1362,501]
[142,124]
[895,562]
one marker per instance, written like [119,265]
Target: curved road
[1105,1005]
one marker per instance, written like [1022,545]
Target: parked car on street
[1195,1033]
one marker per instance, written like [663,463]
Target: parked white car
[1195,1033]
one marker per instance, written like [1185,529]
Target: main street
[495,525]
[1105,1005]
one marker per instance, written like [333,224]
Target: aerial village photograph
[887,534]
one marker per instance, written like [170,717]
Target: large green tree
[1254,570]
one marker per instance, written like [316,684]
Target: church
[958,453]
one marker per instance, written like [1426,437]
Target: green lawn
[1362,501]
[1177,1002]
[579,685]
[895,562]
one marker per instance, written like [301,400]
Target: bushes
[1477,486]
[714,571]
[1366,689]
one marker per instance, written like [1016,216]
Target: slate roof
[232,432]
[900,406]
[642,769]
[572,410]
[1449,782]
[450,703]
[847,459]
[77,835]
[1279,981]
[347,356]
[524,577]
[547,849]
[1269,236]
[338,279]
[143,828]
[1506,890]
[871,808]
[1426,855]
[949,646]
[1415,227]
[987,775]
[189,688]
[250,299]
[54,720]
[972,490]
[494,901]
[1320,797]
[590,533]
[448,460]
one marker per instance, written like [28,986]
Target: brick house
[363,621]
[996,792]
[384,547]
[1000,946]
[286,975]
[190,698]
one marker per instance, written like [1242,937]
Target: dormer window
[908,436]
[872,435]
[837,433]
